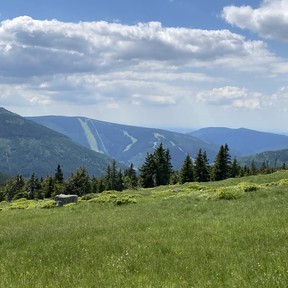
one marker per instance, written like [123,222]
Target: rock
[63,199]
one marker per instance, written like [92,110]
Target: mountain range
[127,144]
[130,144]
[27,147]
[39,144]
[243,141]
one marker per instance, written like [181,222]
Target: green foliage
[221,166]
[125,200]
[187,241]
[227,193]
[78,183]
[26,147]
[48,204]
[202,168]
[157,168]
[187,171]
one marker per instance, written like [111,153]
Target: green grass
[173,236]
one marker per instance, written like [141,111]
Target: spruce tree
[79,183]
[157,168]
[130,178]
[148,172]
[59,177]
[163,165]
[222,164]
[187,170]
[202,168]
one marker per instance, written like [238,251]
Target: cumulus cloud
[31,47]
[115,66]
[270,20]
[232,97]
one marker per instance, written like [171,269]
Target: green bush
[227,193]
[48,204]
[124,201]
[22,203]
[247,186]
[89,196]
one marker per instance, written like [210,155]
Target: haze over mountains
[39,144]
[243,141]
[127,144]
[130,144]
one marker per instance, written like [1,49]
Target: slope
[127,144]
[27,147]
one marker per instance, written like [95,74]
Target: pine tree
[130,178]
[157,168]
[79,183]
[48,187]
[148,172]
[222,164]
[235,169]
[202,173]
[187,170]
[163,165]
[59,177]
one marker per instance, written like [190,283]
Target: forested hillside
[127,144]
[27,147]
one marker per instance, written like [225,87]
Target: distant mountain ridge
[127,144]
[243,141]
[27,147]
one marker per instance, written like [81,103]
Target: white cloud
[31,47]
[270,20]
[113,71]
[232,97]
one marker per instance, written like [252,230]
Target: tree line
[156,170]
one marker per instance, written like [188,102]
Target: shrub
[228,193]
[22,203]
[283,182]
[89,196]
[48,204]
[247,186]
[124,201]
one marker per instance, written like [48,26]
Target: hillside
[127,144]
[274,159]
[27,147]
[243,141]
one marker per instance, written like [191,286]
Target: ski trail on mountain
[90,136]
[134,140]
[103,150]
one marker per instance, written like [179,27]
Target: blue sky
[162,63]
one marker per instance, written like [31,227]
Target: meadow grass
[173,236]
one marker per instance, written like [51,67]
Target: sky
[172,64]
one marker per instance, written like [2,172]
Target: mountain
[27,147]
[274,159]
[127,144]
[243,141]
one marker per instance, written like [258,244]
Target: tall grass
[172,237]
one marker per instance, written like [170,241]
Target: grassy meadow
[231,233]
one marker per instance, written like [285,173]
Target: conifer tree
[202,173]
[235,168]
[222,164]
[79,183]
[163,165]
[148,172]
[157,168]
[187,170]
[130,178]
[59,177]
